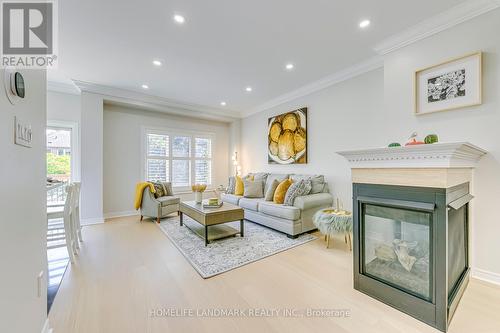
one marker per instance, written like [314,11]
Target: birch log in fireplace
[411,226]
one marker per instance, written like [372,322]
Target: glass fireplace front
[396,248]
[411,247]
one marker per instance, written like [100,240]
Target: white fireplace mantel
[437,155]
[441,165]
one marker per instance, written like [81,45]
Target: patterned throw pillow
[159,189]
[295,190]
[231,186]
[308,186]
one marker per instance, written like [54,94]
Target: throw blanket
[139,188]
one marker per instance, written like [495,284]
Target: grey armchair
[158,208]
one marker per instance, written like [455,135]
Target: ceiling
[225,45]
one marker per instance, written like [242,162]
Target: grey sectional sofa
[292,220]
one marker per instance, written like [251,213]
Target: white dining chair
[76,213]
[66,212]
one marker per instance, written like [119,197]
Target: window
[59,153]
[203,160]
[181,158]
[157,165]
[181,163]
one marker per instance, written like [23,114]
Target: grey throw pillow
[317,181]
[260,176]
[168,188]
[271,189]
[271,177]
[295,190]
[253,188]
[318,184]
[318,188]
[232,185]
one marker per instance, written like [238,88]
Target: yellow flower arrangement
[199,187]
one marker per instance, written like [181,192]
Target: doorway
[61,155]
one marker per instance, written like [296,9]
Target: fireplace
[405,237]
[411,227]
[396,245]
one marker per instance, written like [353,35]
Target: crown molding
[120,96]
[62,87]
[440,22]
[340,76]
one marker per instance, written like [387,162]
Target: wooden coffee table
[207,217]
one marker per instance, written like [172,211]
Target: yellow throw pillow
[239,188]
[279,194]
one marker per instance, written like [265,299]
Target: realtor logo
[28,30]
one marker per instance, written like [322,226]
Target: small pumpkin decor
[394,144]
[413,140]
[431,138]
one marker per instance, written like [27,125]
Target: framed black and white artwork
[450,85]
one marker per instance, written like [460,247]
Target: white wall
[91,158]
[23,225]
[376,108]
[344,116]
[234,143]
[478,125]
[123,155]
[63,109]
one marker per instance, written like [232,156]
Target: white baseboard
[46,327]
[121,214]
[487,276]
[92,220]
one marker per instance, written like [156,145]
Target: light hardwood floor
[126,269]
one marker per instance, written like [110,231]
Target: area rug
[228,253]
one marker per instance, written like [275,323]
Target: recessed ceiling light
[223,103]
[145,86]
[248,89]
[290,66]
[157,62]
[364,24]
[179,19]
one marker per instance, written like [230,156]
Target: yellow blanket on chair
[139,188]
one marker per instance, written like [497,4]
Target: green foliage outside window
[58,165]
